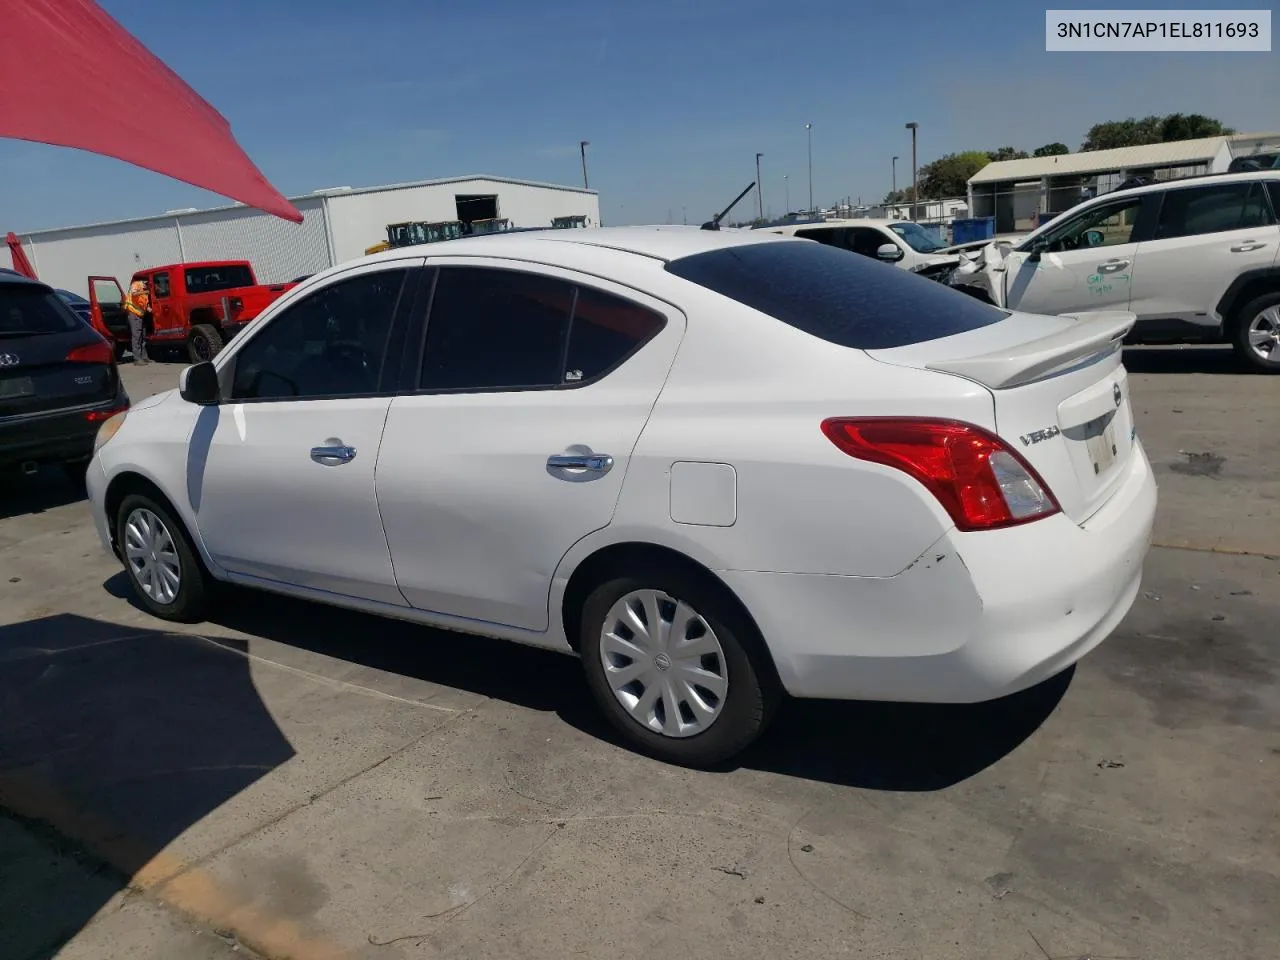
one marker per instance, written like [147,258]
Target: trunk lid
[42,379]
[1060,395]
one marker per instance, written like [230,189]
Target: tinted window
[1105,225]
[835,295]
[27,310]
[831,236]
[605,331]
[495,328]
[1198,210]
[331,343]
[160,284]
[867,240]
[1273,186]
[223,277]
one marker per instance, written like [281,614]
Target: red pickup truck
[199,306]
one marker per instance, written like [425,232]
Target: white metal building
[338,224]
[1022,193]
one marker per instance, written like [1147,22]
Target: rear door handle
[333,453]
[1112,266]
[588,463]
[1248,247]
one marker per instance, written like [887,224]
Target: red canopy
[72,76]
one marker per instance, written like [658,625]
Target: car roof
[791,228]
[662,243]
[1199,180]
[12,277]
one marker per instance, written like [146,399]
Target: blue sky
[675,96]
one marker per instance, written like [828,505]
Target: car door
[1205,237]
[161,303]
[106,308]
[281,472]
[1088,262]
[532,388]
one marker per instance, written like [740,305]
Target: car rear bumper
[55,435]
[976,617]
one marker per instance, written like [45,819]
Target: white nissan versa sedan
[718,466]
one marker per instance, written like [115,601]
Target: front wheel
[674,666]
[161,561]
[1257,333]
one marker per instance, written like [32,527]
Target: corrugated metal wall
[278,250]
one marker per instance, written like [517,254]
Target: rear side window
[226,276]
[836,295]
[1192,211]
[495,329]
[27,310]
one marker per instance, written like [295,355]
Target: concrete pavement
[312,783]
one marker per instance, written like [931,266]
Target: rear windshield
[836,295]
[27,309]
[225,277]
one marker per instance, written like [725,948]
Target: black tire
[75,471]
[1240,334]
[195,586]
[204,342]
[752,692]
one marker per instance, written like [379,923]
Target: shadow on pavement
[50,487]
[879,746]
[119,739]
[1217,358]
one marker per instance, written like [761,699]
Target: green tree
[1153,129]
[1051,150]
[948,176]
[1006,153]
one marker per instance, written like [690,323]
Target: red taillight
[93,416]
[99,352]
[977,478]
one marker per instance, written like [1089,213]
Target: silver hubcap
[152,556]
[663,663]
[1264,334]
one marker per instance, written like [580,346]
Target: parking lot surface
[302,782]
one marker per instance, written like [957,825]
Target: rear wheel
[1257,333]
[673,665]
[203,343]
[160,560]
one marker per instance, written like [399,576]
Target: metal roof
[312,196]
[1100,161]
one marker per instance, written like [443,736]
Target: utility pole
[915,183]
[759,188]
[809,127]
[895,174]
[582,146]
[786,187]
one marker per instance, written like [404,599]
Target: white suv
[903,243]
[1195,260]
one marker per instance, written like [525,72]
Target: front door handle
[1112,266]
[1248,247]
[332,453]
[580,463]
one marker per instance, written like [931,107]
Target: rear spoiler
[1096,334]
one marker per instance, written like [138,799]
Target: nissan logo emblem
[1116,394]
[9,360]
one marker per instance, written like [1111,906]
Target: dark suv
[58,378]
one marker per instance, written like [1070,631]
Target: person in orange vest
[137,304]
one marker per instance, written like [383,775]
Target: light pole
[582,146]
[895,174]
[759,189]
[915,185]
[786,188]
[809,127]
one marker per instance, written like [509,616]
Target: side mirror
[889,252]
[199,384]
[1036,250]
[1094,238]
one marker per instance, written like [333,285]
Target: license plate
[1100,439]
[16,387]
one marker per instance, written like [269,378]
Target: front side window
[505,329]
[160,284]
[1106,225]
[1192,211]
[867,241]
[330,344]
[917,237]
[831,236]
